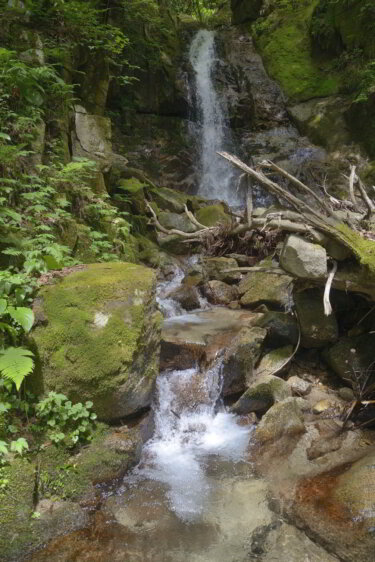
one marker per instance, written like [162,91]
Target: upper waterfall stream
[217,178]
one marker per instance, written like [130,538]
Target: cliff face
[320,49]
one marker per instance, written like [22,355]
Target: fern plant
[15,364]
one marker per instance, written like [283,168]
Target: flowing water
[217,177]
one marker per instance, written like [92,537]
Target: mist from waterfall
[217,178]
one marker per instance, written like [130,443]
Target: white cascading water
[218,180]
[187,435]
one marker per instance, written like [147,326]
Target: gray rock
[265,288]
[215,268]
[303,259]
[282,329]
[188,297]
[262,394]
[317,330]
[346,394]
[299,386]
[174,220]
[240,358]
[351,355]
[274,361]
[218,292]
[283,418]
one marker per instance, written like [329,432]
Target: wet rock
[282,329]
[187,297]
[218,292]
[285,543]
[215,268]
[102,340]
[187,340]
[261,395]
[274,361]
[317,330]
[299,386]
[356,490]
[174,220]
[283,418]
[303,259]
[240,358]
[323,446]
[58,518]
[173,243]
[350,355]
[265,288]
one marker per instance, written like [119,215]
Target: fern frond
[16,363]
[23,316]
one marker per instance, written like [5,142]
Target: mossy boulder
[282,329]
[217,268]
[275,360]
[284,418]
[265,288]
[102,337]
[283,39]
[176,221]
[213,215]
[351,355]
[262,394]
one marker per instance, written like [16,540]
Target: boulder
[218,292]
[212,215]
[317,330]
[262,394]
[187,297]
[173,243]
[282,328]
[265,288]
[102,339]
[284,418]
[174,220]
[351,355]
[274,360]
[303,259]
[215,268]
[299,386]
[355,489]
[240,358]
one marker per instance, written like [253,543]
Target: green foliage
[66,422]
[15,364]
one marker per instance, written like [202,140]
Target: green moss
[81,359]
[16,508]
[363,249]
[212,215]
[284,42]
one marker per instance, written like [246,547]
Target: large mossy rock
[102,337]
[265,288]
[212,215]
[284,418]
[262,394]
[351,355]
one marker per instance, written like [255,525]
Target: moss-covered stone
[265,288]
[262,394]
[284,418]
[176,221]
[317,329]
[213,215]
[284,42]
[102,338]
[275,360]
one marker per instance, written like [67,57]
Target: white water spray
[188,433]
[217,177]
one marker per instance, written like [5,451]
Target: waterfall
[217,177]
[188,432]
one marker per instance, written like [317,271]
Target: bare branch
[193,220]
[327,290]
[352,181]
[249,201]
[368,202]
[298,183]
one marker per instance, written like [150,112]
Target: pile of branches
[319,217]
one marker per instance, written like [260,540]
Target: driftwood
[311,219]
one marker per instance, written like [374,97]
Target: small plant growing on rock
[67,422]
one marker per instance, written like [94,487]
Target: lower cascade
[188,435]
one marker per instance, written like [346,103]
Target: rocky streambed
[244,454]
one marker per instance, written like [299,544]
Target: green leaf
[23,316]
[16,363]
[3,306]
[19,446]
[3,448]
[4,407]
[4,136]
